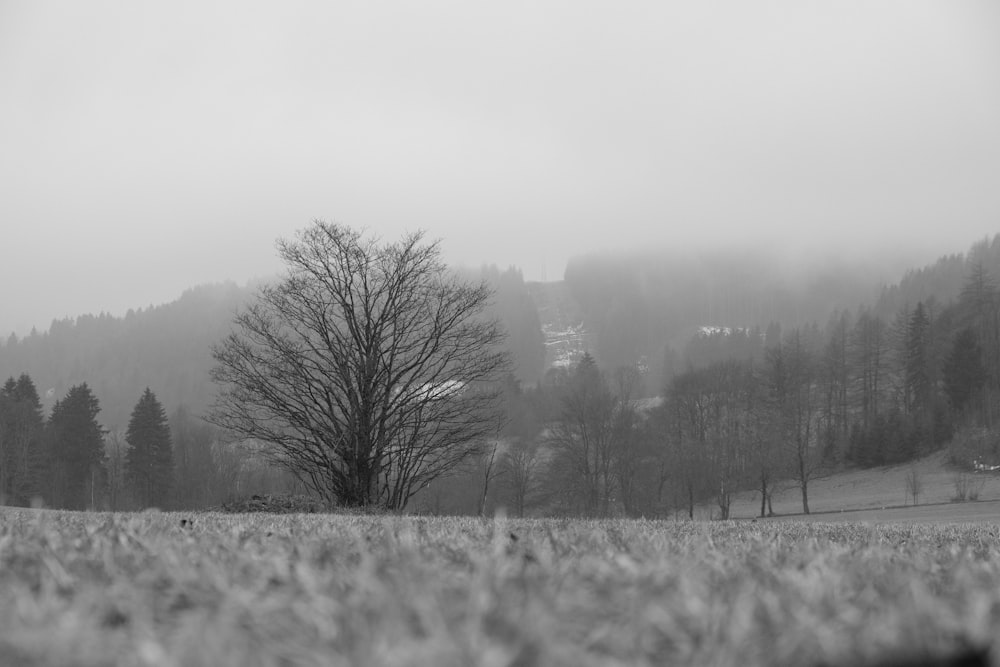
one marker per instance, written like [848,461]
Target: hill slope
[166,348]
[872,489]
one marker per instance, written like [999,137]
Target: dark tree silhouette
[149,462]
[368,371]
[22,457]
[916,365]
[76,440]
[964,374]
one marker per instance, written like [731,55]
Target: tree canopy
[368,370]
[76,477]
[149,462]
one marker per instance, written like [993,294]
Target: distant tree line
[171,346]
[640,304]
[68,460]
[752,409]
[118,356]
[731,409]
[863,391]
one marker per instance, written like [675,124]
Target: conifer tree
[917,372]
[76,439]
[22,460]
[964,374]
[149,462]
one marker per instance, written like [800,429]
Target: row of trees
[633,304]
[371,373]
[863,391]
[580,443]
[760,410]
[368,371]
[66,462]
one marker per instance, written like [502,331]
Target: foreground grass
[155,589]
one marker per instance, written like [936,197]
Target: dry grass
[153,589]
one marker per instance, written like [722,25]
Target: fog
[147,148]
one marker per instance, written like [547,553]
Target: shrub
[967,487]
[278,503]
[975,446]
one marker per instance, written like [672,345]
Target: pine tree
[964,374]
[22,459]
[77,451]
[868,352]
[149,462]
[917,373]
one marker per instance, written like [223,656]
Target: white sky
[146,147]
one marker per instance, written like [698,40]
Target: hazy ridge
[628,309]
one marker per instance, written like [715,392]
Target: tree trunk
[763,494]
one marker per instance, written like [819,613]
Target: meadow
[256,589]
[872,489]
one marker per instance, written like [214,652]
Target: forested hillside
[941,281]
[168,347]
[514,305]
[828,370]
[876,381]
[638,305]
[649,309]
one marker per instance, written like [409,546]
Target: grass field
[157,589]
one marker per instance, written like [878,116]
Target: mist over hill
[943,280]
[626,309]
[168,348]
[637,306]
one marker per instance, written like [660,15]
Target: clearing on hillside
[872,489]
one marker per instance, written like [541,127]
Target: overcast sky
[146,147]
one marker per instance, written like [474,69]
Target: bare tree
[791,373]
[914,484]
[870,349]
[520,465]
[229,461]
[631,438]
[683,426]
[596,442]
[834,376]
[196,475]
[115,447]
[490,471]
[369,369]
[584,440]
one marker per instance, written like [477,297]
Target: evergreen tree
[868,354]
[834,375]
[77,477]
[22,459]
[917,372]
[964,374]
[980,303]
[149,462]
